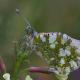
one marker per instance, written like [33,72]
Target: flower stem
[40,70]
[47,70]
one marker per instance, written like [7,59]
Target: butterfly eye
[17,11]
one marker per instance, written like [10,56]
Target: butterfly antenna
[28,28]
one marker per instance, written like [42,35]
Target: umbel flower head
[60,51]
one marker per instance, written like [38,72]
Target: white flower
[53,70]
[52,37]
[73,64]
[62,77]
[28,78]
[6,76]
[62,52]
[68,47]
[75,43]
[52,46]
[59,33]
[78,58]
[78,51]
[67,52]
[78,61]
[42,38]
[56,72]
[51,59]
[59,70]
[62,61]
[67,70]
[64,39]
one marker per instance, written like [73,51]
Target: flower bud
[2,65]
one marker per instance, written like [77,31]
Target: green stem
[16,70]
[18,63]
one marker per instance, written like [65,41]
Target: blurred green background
[44,15]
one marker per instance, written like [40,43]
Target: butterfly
[60,51]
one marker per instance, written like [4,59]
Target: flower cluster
[6,76]
[59,51]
